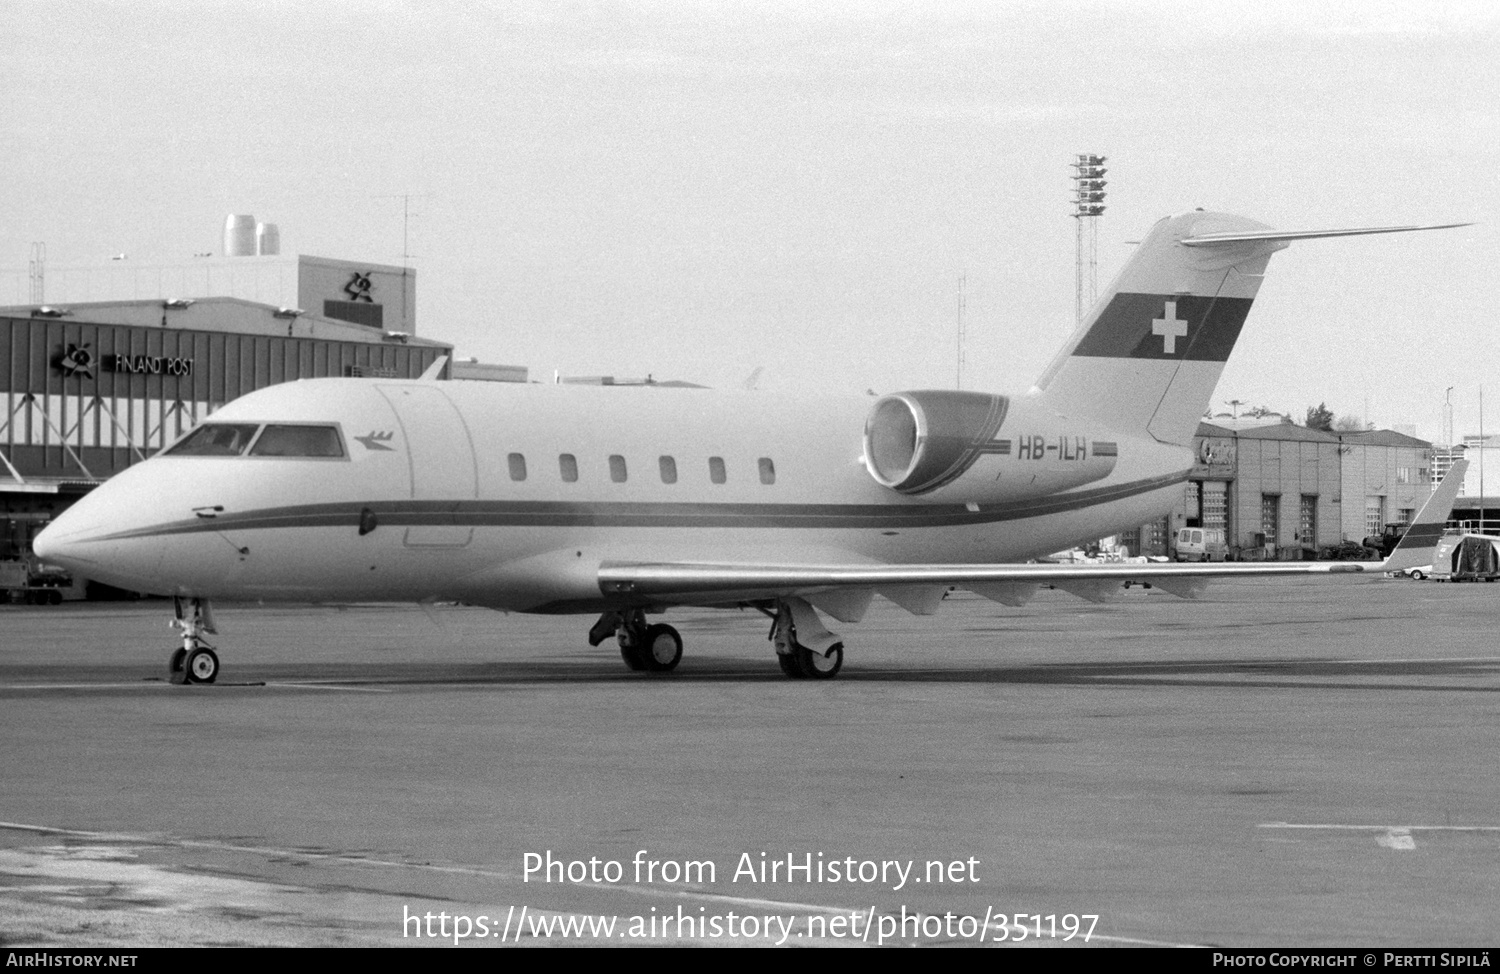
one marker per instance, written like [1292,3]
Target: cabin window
[767,471]
[216,440]
[567,465]
[668,470]
[617,468]
[716,470]
[517,466]
[298,441]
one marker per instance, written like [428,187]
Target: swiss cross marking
[1170,328]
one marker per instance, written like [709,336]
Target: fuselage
[513,496]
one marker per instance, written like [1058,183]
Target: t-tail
[1151,351]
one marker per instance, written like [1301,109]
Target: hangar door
[441,455]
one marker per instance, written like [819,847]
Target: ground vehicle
[32,583]
[1201,544]
[1386,541]
[1467,558]
[1347,551]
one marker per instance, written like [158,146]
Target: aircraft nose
[86,540]
[61,541]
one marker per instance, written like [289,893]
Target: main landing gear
[196,661]
[804,648]
[657,648]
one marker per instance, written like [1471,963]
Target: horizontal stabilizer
[1223,239]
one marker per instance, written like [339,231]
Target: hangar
[1282,491]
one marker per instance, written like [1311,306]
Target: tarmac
[1280,763]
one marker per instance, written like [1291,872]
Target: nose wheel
[195,661]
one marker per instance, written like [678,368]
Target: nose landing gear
[195,661]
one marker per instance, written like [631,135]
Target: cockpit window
[298,441]
[216,440]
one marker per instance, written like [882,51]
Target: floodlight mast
[1088,206]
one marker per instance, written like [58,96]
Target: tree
[1348,424]
[1320,417]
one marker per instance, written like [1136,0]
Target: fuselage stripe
[472,513]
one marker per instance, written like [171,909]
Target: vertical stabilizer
[1417,544]
[1151,351]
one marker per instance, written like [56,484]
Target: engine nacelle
[949,445]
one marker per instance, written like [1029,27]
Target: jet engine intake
[948,445]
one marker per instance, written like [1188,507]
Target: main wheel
[816,666]
[176,672]
[789,665]
[662,648]
[202,665]
[633,653]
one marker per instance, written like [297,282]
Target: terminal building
[126,359]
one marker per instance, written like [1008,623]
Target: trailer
[1467,557]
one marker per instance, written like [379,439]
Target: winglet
[1416,546]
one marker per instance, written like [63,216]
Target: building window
[668,470]
[1307,520]
[1270,517]
[1374,515]
[517,467]
[716,471]
[767,471]
[1215,504]
[1406,515]
[567,465]
[617,468]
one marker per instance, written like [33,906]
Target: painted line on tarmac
[1398,837]
[1428,659]
[328,686]
[156,684]
[209,844]
[81,686]
[1380,828]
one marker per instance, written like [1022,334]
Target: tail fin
[1151,351]
[1416,545]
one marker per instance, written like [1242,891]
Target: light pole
[1088,205]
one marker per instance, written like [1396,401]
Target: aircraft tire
[176,672]
[661,650]
[201,665]
[633,657]
[789,665]
[816,666]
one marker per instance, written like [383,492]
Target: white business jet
[623,502]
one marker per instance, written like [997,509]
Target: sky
[710,191]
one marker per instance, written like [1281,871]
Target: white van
[1201,544]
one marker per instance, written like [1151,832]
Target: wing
[845,590]
[839,589]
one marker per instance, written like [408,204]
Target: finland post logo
[77,360]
